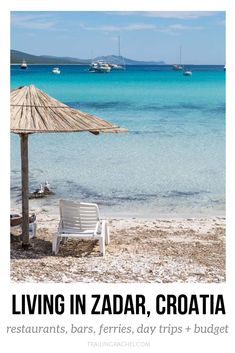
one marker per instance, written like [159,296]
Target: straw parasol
[33,111]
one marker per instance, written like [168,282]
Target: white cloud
[184,15]
[114,28]
[171,29]
[32,21]
[179,26]
[180,14]
[176,29]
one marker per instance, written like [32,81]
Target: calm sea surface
[172,160]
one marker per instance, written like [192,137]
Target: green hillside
[18,56]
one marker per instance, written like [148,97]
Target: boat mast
[119,53]
[180,53]
[119,47]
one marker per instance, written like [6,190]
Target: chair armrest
[98,228]
[59,226]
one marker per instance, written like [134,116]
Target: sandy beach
[141,250]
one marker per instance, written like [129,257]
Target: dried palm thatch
[32,110]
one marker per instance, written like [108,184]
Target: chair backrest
[79,215]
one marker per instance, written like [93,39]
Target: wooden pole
[25,190]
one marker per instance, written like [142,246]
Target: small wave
[15,188]
[100,105]
[176,193]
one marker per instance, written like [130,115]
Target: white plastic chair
[80,220]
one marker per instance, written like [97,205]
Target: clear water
[172,160]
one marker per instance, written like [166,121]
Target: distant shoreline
[76,64]
[51,64]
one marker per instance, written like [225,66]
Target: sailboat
[118,66]
[23,65]
[178,67]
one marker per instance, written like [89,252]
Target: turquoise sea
[172,160]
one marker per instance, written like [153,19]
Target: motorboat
[187,72]
[104,67]
[93,66]
[116,67]
[56,70]
[23,65]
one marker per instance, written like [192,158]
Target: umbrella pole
[25,190]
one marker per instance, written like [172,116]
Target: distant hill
[18,56]
[114,59]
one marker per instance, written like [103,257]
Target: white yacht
[116,67]
[99,67]
[23,65]
[56,70]
[187,72]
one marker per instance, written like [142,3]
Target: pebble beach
[140,250]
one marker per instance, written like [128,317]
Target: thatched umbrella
[32,110]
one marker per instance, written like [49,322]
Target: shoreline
[39,206]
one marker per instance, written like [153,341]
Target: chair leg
[107,238]
[102,245]
[55,243]
[105,232]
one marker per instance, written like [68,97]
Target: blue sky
[144,35]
